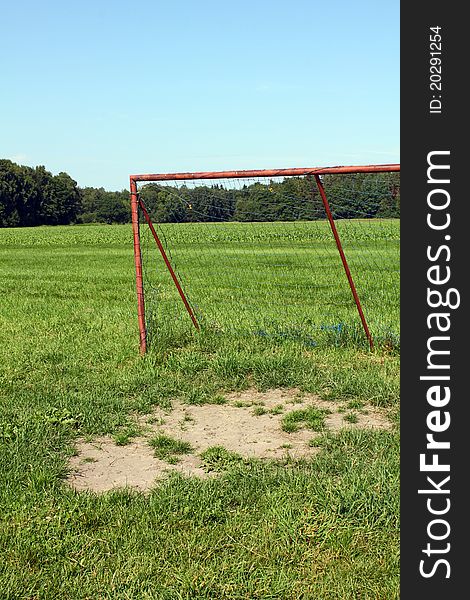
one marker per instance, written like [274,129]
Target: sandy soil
[102,465]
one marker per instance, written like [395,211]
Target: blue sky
[103,89]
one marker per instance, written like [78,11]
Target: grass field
[277,280]
[326,528]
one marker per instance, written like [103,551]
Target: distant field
[323,528]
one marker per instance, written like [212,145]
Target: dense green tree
[253,203]
[114,208]
[33,196]
[10,191]
[101,206]
[165,204]
[91,200]
[205,203]
[389,196]
[300,199]
[61,200]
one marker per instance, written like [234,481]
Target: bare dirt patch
[249,424]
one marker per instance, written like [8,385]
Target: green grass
[167,448]
[321,529]
[313,418]
[351,417]
[125,435]
[217,458]
[355,404]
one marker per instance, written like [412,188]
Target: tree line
[33,196]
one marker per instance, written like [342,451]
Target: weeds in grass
[187,418]
[217,458]
[169,449]
[351,417]
[156,421]
[62,417]
[126,434]
[316,442]
[198,397]
[358,404]
[311,417]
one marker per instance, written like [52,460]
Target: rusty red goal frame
[314,172]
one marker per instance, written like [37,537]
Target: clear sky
[101,89]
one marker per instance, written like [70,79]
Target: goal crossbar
[388,168]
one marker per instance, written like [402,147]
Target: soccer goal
[308,255]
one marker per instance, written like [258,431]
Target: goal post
[253,249]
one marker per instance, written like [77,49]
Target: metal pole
[326,204]
[168,264]
[138,268]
